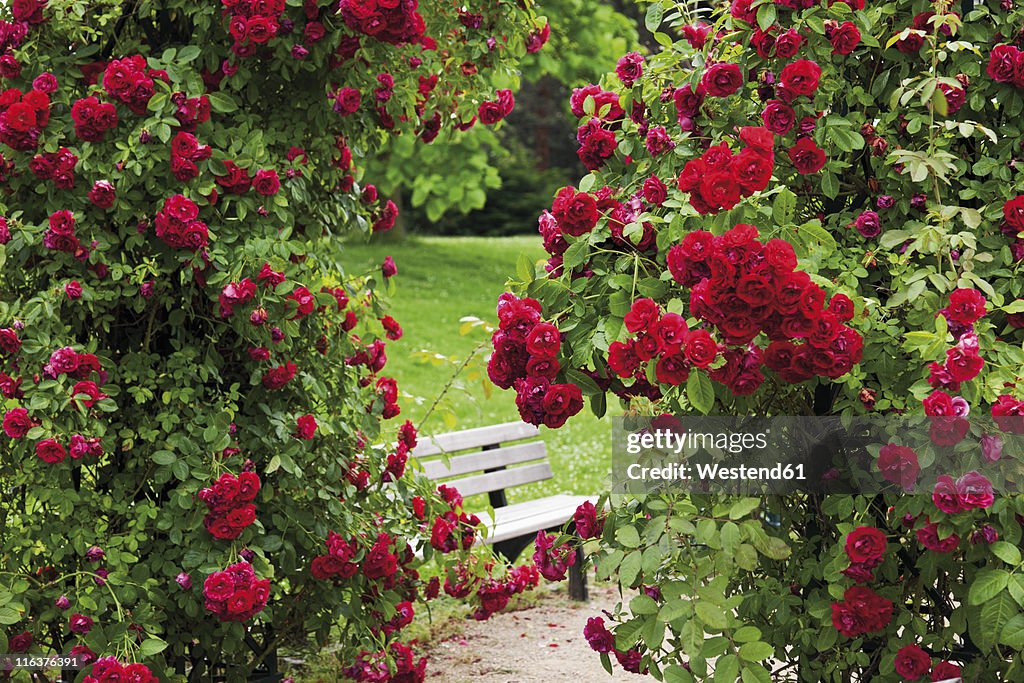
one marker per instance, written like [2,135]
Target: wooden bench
[495,458]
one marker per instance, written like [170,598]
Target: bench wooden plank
[495,481]
[475,438]
[528,518]
[484,460]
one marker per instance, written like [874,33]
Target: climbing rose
[865,544]
[305,427]
[807,157]
[912,662]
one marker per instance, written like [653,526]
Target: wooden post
[578,579]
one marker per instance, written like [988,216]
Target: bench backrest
[487,455]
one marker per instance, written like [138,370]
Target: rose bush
[800,208]
[192,383]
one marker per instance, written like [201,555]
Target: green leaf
[525,268]
[655,13]
[743,507]
[677,674]
[830,185]
[727,669]
[674,609]
[746,557]
[766,15]
[629,569]
[771,547]
[643,604]
[9,616]
[576,254]
[152,646]
[712,615]
[1007,552]
[188,54]
[987,584]
[628,536]
[987,626]
[221,103]
[746,634]
[783,207]
[1013,633]
[587,182]
[818,238]
[756,651]
[700,391]
[164,457]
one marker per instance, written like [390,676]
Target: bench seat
[495,458]
[513,521]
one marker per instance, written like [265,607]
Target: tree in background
[490,180]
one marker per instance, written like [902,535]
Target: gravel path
[542,644]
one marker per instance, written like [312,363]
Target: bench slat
[528,518]
[495,481]
[485,460]
[475,438]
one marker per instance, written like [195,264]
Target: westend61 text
[716,472]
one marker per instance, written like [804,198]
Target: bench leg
[578,579]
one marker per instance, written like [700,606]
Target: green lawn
[440,280]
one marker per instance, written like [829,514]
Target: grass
[441,280]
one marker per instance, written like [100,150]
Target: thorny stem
[451,381]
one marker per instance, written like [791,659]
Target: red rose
[305,427]
[928,536]
[945,671]
[899,465]
[807,157]
[722,79]
[966,306]
[672,370]
[49,451]
[642,315]
[266,182]
[963,364]
[544,340]
[576,212]
[974,491]
[845,38]
[1007,412]
[788,44]
[912,662]
[700,348]
[719,190]
[800,77]
[655,191]
[102,194]
[62,223]
[236,180]
[778,117]
[752,170]
[1003,63]
[560,402]
[865,544]
[17,423]
[277,377]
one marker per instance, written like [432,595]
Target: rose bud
[95,554]
[184,580]
[145,137]
[247,555]
[74,290]
[62,602]
[258,317]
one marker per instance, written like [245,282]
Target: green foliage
[173,328]
[748,588]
